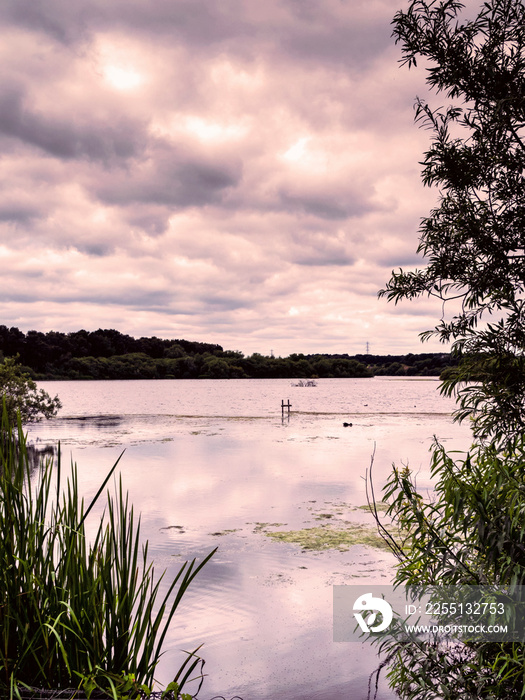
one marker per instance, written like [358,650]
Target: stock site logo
[367,603]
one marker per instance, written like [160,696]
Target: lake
[215,463]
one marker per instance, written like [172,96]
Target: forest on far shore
[109,354]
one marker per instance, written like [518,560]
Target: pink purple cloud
[241,173]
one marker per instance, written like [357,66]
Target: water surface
[215,463]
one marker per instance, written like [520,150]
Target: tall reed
[73,612]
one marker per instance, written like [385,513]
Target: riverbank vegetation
[109,354]
[20,395]
[77,611]
[471,530]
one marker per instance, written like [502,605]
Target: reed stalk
[77,613]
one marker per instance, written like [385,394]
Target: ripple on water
[202,479]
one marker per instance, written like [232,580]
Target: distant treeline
[109,354]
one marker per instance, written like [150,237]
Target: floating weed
[380,506]
[278,580]
[221,533]
[326,537]
[173,527]
[261,527]
[334,531]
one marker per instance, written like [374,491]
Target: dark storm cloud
[325,206]
[309,31]
[62,138]
[158,299]
[225,302]
[196,21]
[61,20]
[18,213]
[316,36]
[238,167]
[172,177]
[150,218]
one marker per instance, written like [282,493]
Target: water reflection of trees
[35,455]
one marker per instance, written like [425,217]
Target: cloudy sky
[233,171]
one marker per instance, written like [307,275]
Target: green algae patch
[325,537]
[380,506]
[261,527]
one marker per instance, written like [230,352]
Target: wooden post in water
[285,405]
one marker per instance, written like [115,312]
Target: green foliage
[474,239]
[77,613]
[472,530]
[494,385]
[219,368]
[108,354]
[21,395]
